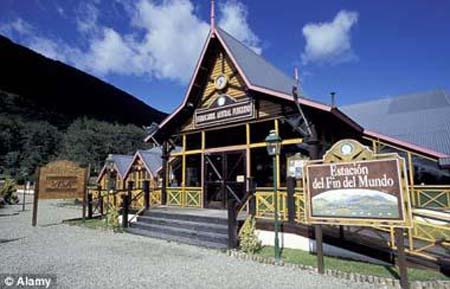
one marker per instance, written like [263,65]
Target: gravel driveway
[86,258]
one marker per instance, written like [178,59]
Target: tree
[88,141]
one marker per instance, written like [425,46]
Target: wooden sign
[224,113]
[62,180]
[354,186]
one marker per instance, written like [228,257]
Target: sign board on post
[60,180]
[354,186]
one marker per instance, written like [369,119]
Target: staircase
[199,227]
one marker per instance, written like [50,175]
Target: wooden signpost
[353,186]
[60,180]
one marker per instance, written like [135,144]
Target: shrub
[112,219]
[248,241]
[7,192]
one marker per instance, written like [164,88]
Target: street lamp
[273,142]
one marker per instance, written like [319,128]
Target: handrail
[137,214]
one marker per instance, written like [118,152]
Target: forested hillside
[49,110]
[30,137]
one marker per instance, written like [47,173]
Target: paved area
[86,258]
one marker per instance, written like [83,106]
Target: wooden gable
[235,88]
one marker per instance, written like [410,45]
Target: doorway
[225,175]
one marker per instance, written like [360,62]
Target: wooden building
[234,99]
[145,167]
[116,173]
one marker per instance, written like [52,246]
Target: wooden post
[36,198]
[86,182]
[100,205]
[25,190]
[100,199]
[290,182]
[252,200]
[314,143]
[232,234]
[401,258]
[165,158]
[89,205]
[125,206]
[319,248]
[146,189]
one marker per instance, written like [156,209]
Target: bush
[7,192]
[112,219]
[248,241]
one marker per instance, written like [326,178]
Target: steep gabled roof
[422,118]
[152,159]
[258,71]
[121,163]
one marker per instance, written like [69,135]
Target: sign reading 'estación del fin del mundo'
[354,186]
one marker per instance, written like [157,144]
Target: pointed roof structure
[121,163]
[261,76]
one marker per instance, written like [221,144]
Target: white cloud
[173,39]
[329,42]
[234,21]
[18,26]
[164,39]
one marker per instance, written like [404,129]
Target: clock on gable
[220,82]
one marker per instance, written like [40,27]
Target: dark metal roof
[152,159]
[422,118]
[122,162]
[258,71]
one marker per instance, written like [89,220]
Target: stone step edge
[390,283]
[177,239]
[170,221]
[181,216]
[187,231]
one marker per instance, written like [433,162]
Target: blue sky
[361,49]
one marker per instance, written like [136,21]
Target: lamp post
[273,142]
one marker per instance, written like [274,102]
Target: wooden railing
[265,206]
[185,197]
[425,233]
[426,196]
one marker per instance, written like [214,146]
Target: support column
[165,158]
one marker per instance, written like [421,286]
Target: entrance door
[224,175]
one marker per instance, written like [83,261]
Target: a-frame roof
[256,69]
[121,163]
[260,76]
[151,158]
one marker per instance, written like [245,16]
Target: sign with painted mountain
[354,186]
[365,189]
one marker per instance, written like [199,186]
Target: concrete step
[178,239]
[180,223]
[185,217]
[213,237]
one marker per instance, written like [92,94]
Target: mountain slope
[61,89]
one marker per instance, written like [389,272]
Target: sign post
[353,186]
[59,180]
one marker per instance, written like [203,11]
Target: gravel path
[85,258]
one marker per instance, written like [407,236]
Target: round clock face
[346,149]
[221,81]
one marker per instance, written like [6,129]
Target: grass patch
[305,258]
[96,223]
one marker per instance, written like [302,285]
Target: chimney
[333,99]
